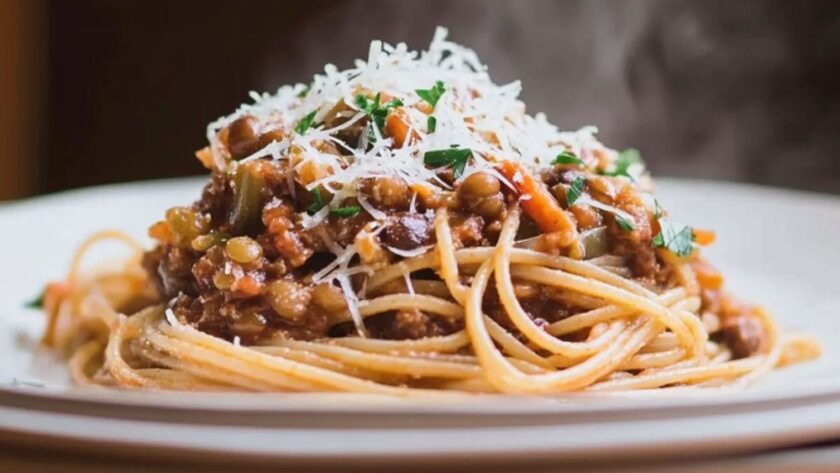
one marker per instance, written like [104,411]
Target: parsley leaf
[628,225]
[376,111]
[454,157]
[575,190]
[37,302]
[567,157]
[431,124]
[431,96]
[674,237]
[305,122]
[349,211]
[625,160]
[365,104]
[317,201]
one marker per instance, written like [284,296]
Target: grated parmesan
[473,112]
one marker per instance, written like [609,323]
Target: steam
[719,89]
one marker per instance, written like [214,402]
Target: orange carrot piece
[537,201]
[161,232]
[396,126]
[704,237]
[707,276]
[246,286]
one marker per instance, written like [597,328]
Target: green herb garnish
[305,122]
[658,209]
[349,211]
[567,157]
[674,237]
[625,224]
[625,160]
[574,191]
[317,201]
[37,302]
[454,157]
[376,111]
[431,96]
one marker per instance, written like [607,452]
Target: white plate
[776,247]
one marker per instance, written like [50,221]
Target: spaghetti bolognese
[405,227]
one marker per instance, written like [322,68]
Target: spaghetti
[404,228]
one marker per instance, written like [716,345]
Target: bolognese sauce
[239,262]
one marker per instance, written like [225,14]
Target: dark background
[105,91]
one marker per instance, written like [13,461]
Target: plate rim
[553,411]
[797,427]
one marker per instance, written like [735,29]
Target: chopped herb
[349,211]
[658,212]
[431,96]
[431,124]
[674,237]
[305,122]
[567,157]
[625,160]
[317,201]
[657,241]
[376,111]
[365,104]
[454,157]
[625,224]
[37,302]
[574,191]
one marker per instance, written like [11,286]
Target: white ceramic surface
[776,247]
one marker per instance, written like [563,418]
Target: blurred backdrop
[97,91]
